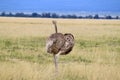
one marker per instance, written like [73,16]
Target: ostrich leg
[56,58]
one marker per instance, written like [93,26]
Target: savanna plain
[95,56]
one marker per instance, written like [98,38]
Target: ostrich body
[59,44]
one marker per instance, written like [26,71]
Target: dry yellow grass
[21,70]
[96,55]
[43,27]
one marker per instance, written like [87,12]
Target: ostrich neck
[56,28]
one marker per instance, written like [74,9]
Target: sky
[59,5]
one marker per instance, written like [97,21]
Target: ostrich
[59,44]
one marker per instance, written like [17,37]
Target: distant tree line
[55,15]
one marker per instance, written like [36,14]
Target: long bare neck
[54,23]
[55,28]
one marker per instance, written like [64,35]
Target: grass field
[96,55]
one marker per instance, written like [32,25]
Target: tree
[19,15]
[63,16]
[117,17]
[35,15]
[96,16]
[80,17]
[89,17]
[108,17]
[73,16]
[3,14]
[10,14]
[47,15]
[54,15]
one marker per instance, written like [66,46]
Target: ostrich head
[54,22]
